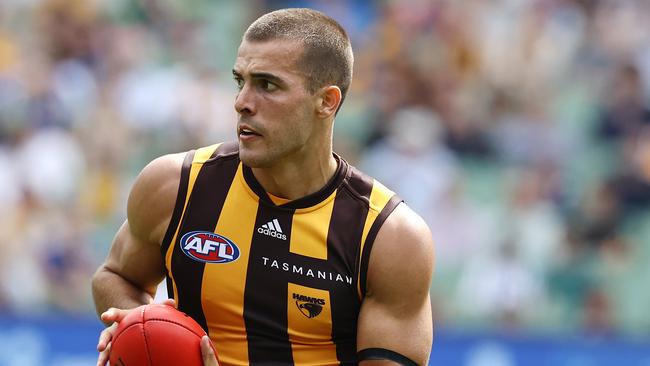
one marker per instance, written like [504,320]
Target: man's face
[276,111]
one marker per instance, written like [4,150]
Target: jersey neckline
[303,202]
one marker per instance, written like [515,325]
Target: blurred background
[519,129]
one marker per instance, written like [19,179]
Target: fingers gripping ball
[157,335]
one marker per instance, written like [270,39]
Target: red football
[157,335]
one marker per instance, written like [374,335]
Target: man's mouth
[247,132]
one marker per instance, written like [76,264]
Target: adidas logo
[272,228]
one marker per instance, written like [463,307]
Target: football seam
[144,333]
[146,344]
[175,322]
[144,336]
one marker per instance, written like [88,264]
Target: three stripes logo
[273,229]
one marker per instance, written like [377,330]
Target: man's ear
[328,101]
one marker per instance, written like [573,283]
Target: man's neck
[296,179]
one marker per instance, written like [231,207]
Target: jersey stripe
[179,208]
[266,321]
[370,239]
[346,226]
[308,229]
[379,198]
[202,211]
[224,285]
[310,312]
[198,157]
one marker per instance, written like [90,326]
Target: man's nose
[244,101]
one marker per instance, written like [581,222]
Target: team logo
[208,247]
[309,306]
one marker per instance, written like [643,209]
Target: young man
[279,248]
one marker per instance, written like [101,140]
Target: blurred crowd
[520,130]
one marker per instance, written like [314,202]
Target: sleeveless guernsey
[272,283]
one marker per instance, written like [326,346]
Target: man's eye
[267,86]
[240,83]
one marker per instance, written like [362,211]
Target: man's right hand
[113,316]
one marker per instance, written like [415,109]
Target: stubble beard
[260,157]
[268,155]
[274,148]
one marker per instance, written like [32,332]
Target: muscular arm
[134,266]
[396,312]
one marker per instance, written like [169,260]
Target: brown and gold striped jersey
[272,282]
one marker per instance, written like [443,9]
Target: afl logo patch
[208,247]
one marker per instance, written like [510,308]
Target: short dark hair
[327,57]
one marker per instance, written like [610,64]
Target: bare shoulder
[153,196]
[402,255]
[398,280]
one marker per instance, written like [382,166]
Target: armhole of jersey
[370,240]
[180,203]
